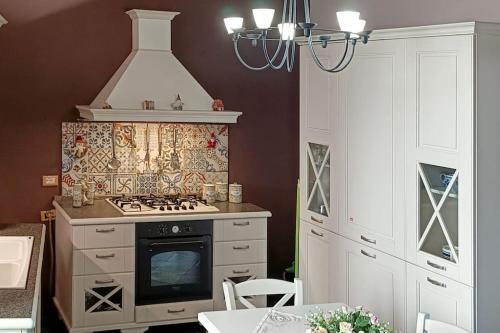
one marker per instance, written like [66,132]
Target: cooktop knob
[175,229]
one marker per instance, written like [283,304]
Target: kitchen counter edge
[102,213]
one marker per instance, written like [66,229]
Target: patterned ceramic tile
[194,159]
[125,135]
[148,183]
[103,184]
[195,136]
[216,177]
[70,131]
[171,183]
[98,160]
[124,184]
[128,160]
[193,182]
[216,162]
[99,135]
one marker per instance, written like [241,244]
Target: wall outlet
[47,215]
[50,181]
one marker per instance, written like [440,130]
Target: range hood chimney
[152,73]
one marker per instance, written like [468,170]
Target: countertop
[102,212]
[18,307]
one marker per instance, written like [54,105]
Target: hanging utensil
[159,159]
[147,157]
[175,163]
[114,163]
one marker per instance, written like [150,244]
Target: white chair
[426,325]
[260,287]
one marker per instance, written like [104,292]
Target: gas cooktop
[160,204]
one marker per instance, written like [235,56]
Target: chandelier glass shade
[279,42]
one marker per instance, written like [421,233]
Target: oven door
[173,269]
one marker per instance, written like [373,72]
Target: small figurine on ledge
[218,105]
[148,105]
[106,106]
[178,104]
[212,142]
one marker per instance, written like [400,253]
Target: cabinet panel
[374,280]
[172,311]
[240,252]
[372,108]
[240,229]
[318,264]
[442,298]
[440,155]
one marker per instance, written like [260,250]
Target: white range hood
[151,72]
[2,21]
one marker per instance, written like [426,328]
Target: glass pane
[117,299]
[318,153]
[175,267]
[439,180]
[318,156]
[324,180]
[317,204]
[90,300]
[311,177]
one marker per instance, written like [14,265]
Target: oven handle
[175,243]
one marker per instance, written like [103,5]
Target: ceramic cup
[209,193]
[77,195]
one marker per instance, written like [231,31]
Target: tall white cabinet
[399,183]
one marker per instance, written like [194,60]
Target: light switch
[50,181]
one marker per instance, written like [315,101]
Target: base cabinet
[374,280]
[446,299]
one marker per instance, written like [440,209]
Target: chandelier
[284,35]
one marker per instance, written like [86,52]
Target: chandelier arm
[307,11]
[269,60]
[292,61]
[318,62]
[348,61]
[243,61]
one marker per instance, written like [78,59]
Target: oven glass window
[175,267]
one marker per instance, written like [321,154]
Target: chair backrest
[426,325]
[259,287]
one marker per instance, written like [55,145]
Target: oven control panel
[174,228]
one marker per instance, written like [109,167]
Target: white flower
[321,330]
[344,309]
[345,327]
[374,320]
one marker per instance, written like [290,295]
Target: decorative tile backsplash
[155,158]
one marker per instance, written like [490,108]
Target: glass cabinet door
[318,179]
[438,211]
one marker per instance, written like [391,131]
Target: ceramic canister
[221,191]
[91,192]
[209,193]
[77,195]
[235,193]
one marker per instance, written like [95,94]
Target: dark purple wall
[403,13]
[55,54]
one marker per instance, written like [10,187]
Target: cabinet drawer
[101,261]
[172,311]
[104,236]
[241,252]
[103,299]
[240,229]
[444,299]
[237,274]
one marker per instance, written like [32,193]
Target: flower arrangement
[346,320]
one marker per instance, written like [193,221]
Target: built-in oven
[173,261]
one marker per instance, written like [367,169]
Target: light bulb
[287,31]
[263,17]
[233,23]
[348,20]
[358,26]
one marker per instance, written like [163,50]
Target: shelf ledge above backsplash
[185,116]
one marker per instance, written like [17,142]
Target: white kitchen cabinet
[447,300]
[416,171]
[374,280]
[440,115]
[319,156]
[372,108]
[318,264]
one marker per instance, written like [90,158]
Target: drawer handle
[104,281]
[105,256]
[317,233]
[241,272]
[316,220]
[368,240]
[436,283]
[373,256]
[436,266]
[246,247]
[241,224]
[105,230]
[176,311]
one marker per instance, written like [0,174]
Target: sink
[15,257]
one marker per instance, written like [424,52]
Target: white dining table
[245,321]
